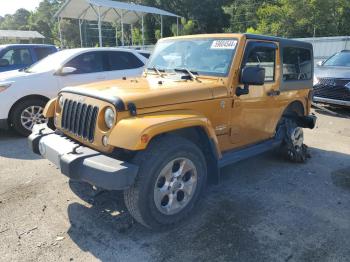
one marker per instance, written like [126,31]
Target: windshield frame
[327,60]
[197,73]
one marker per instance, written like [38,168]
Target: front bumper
[81,163]
[331,101]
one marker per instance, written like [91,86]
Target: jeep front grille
[79,119]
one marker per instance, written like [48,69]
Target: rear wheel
[172,175]
[293,147]
[26,114]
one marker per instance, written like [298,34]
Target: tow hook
[75,151]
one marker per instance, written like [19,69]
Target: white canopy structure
[20,35]
[108,11]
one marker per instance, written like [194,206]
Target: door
[251,116]
[123,63]
[17,58]
[90,67]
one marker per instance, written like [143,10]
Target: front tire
[172,175]
[26,114]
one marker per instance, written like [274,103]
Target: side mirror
[320,63]
[4,62]
[67,70]
[251,76]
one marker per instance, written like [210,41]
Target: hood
[16,75]
[10,75]
[151,91]
[332,72]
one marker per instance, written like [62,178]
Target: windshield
[339,59]
[51,62]
[211,56]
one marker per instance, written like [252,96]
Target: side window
[119,60]
[42,52]
[263,56]
[20,56]
[91,62]
[297,64]
[8,56]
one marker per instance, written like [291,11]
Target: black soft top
[283,41]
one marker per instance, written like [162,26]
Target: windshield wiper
[156,70]
[190,73]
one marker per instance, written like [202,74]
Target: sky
[10,6]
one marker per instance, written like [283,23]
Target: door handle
[274,93]
[100,77]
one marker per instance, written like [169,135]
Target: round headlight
[61,101]
[109,117]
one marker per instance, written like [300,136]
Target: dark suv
[332,80]
[14,57]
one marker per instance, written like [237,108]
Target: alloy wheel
[32,115]
[175,186]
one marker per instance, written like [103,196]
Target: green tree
[209,15]
[70,33]
[42,20]
[157,34]
[137,36]
[243,14]
[304,18]
[187,27]
[17,21]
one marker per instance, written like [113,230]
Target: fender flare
[49,110]
[128,132]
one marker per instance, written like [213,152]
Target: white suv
[24,93]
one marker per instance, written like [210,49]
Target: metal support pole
[99,26]
[143,33]
[121,23]
[116,36]
[161,26]
[177,26]
[59,30]
[80,34]
[132,37]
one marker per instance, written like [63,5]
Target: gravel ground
[265,209]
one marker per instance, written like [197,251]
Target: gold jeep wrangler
[204,102]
